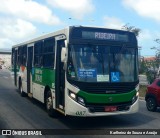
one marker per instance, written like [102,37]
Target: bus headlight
[72,95]
[76,98]
[81,101]
[134,99]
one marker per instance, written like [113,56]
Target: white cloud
[77,8]
[146,8]
[148,35]
[113,22]
[145,35]
[5,43]
[146,41]
[17,18]
[29,10]
[17,28]
[14,31]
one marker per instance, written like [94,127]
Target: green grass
[142,90]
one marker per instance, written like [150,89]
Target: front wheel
[49,105]
[151,104]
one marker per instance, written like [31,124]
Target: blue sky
[21,20]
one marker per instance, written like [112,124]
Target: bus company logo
[110,99]
[6,132]
[110,91]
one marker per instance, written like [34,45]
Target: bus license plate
[110,108]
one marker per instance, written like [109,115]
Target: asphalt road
[18,112]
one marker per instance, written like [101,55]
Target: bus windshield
[99,63]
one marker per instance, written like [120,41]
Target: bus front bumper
[73,108]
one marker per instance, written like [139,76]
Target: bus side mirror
[65,42]
[64,54]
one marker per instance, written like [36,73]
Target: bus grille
[104,88]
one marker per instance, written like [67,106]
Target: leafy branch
[133,29]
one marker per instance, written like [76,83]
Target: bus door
[60,77]
[29,68]
[15,66]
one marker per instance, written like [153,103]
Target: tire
[21,89]
[49,105]
[151,104]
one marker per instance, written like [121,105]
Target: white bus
[80,71]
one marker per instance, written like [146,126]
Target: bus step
[30,95]
[59,110]
[61,107]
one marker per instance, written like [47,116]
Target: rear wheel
[49,105]
[151,104]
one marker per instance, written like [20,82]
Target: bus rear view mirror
[65,42]
[63,54]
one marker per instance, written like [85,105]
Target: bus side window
[13,55]
[24,55]
[38,53]
[48,52]
[19,60]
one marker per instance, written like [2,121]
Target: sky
[21,20]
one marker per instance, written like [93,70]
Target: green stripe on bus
[107,98]
[44,76]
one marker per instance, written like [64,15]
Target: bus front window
[123,63]
[91,63]
[88,63]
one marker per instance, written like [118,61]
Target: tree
[157,54]
[131,29]
[152,74]
[157,40]
[142,66]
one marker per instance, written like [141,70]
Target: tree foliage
[149,68]
[152,67]
[157,52]
[131,29]
[157,40]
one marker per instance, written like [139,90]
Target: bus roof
[63,31]
[66,32]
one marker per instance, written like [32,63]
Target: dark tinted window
[48,52]
[38,53]
[24,55]
[13,56]
[20,54]
[48,46]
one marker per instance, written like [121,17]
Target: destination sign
[104,36]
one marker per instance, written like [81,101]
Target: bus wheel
[21,90]
[49,105]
